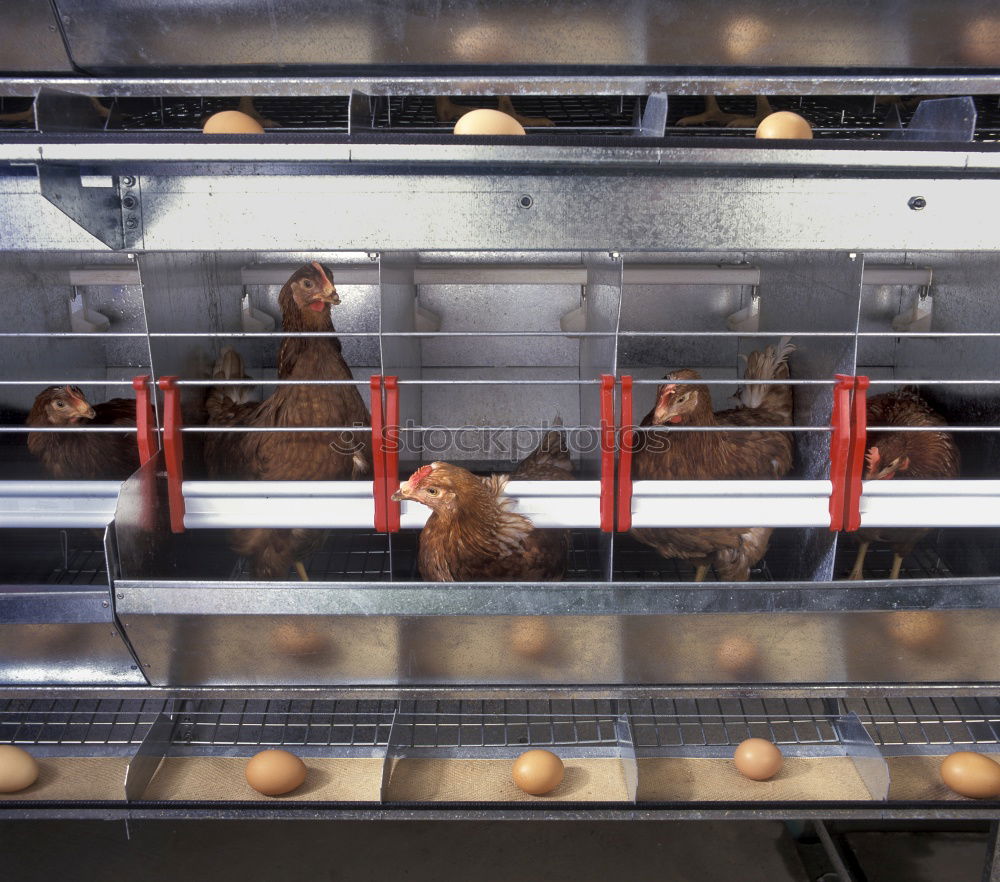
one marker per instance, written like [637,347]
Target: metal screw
[916,203]
[120,596]
[131,223]
[128,181]
[525,201]
[129,201]
[104,603]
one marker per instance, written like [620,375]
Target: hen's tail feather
[222,402]
[549,461]
[770,363]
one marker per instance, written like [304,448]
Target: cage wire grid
[898,726]
[853,117]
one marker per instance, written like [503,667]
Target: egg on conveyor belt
[784,124]
[274,772]
[758,759]
[487,122]
[231,122]
[538,772]
[18,769]
[971,774]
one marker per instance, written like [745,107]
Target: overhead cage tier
[474,359]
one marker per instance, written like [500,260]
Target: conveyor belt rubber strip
[173,451]
[607,453]
[627,437]
[145,420]
[385,451]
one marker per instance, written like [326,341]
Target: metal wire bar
[113,430]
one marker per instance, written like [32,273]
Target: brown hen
[85,456]
[305,302]
[473,533]
[913,455]
[718,456]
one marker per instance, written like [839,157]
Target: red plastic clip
[856,459]
[391,452]
[607,453]
[628,434]
[378,455]
[145,420]
[840,448]
[173,450]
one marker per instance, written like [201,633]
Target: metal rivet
[525,201]
[120,596]
[131,223]
[129,202]
[104,603]
[917,202]
[128,181]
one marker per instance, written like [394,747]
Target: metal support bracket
[359,112]
[98,209]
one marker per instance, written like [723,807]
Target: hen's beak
[663,413]
[402,493]
[82,410]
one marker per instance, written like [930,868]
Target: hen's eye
[60,404]
[308,283]
[432,491]
[685,396]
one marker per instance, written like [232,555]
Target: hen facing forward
[913,455]
[85,456]
[473,533]
[305,302]
[718,456]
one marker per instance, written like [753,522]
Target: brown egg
[231,122]
[758,759]
[736,654]
[530,636]
[300,641]
[538,772]
[18,769]
[784,124]
[273,772]
[971,774]
[487,122]
[915,629]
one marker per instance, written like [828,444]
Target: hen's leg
[300,568]
[713,113]
[762,109]
[857,571]
[897,562]
[505,105]
[700,572]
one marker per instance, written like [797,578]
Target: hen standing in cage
[913,455]
[473,533]
[305,302]
[718,456]
[83,455]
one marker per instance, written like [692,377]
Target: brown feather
[930,455]
[83,455]
[476,536]
[295,456]
[720,456]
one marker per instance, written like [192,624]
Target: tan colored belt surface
[596,779]
[700,779]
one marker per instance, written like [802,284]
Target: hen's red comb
[420,475]
[316,265]
[871,459]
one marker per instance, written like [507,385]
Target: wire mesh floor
[898,726]
[925,562]
[53,557]
[355,556]
[834,116]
